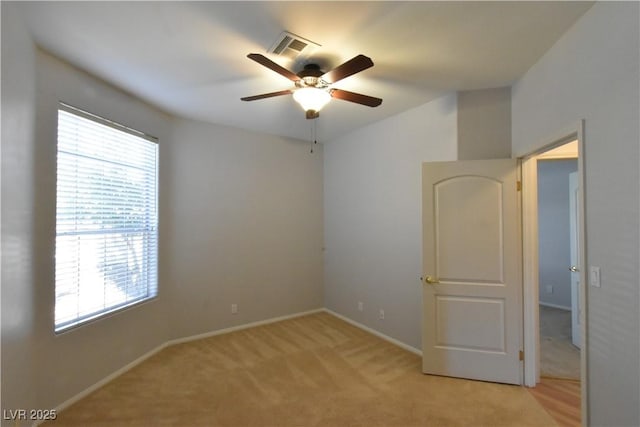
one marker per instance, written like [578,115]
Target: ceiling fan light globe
[311,98]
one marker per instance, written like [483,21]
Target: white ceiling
[189,58]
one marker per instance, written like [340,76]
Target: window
[106,218]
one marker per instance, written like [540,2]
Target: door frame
[574,245]
[530,257]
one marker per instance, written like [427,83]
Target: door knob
[573,269]
[431,280]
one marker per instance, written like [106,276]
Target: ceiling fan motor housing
[310,77]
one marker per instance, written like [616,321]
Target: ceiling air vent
[292,46]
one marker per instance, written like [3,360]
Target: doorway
[534,285]
[559,305]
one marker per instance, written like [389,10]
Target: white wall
[373,216]
[244,227]
[554,240]
[18,147]
[592,73]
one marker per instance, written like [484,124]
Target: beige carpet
[315,370]
[559,358]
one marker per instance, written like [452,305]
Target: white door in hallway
[472,283]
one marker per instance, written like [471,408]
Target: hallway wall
[553,231]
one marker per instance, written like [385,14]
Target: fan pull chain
[314,133]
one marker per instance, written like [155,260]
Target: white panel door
[472,319]
[574,268]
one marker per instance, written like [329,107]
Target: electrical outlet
[360,306]
[234,308]
[549,289]
[381,314]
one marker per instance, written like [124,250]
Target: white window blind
[106,218]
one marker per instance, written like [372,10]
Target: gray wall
[591,73]
[244,227]
[40,369]
[484,124]
[18,146]
[240,221]
[373,212]
[63,365]
[373,216]
[372,225]
[553,231]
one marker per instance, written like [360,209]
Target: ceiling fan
[313,86]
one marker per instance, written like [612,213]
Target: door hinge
[521,355]
[519,186]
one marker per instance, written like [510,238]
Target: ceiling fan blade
[267,95]
[263,60]
[358,98]
[352,66]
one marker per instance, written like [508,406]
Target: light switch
[594,276]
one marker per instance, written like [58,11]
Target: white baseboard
[548,304]
[107,379]
[241,327]
[376,333]
[147,355]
